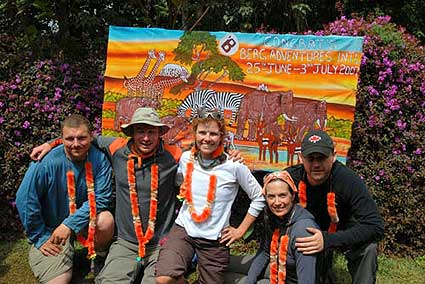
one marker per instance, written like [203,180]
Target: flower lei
[89,242]
[331,205]
[333,214]
[186,189]
[142,239]
[278,273]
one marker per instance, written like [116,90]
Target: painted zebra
[226,101]
[193,101]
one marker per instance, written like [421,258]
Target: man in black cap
[342,206]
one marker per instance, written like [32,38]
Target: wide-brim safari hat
[144,115]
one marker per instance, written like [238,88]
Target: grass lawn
[14,268]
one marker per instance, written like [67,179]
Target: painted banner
[271,88]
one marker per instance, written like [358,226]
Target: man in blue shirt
[53,205]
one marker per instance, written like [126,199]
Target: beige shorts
[121,261]
[46,268]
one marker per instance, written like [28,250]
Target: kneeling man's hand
[312,244]
[50,249]
[60,235]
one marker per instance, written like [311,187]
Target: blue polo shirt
[42,198]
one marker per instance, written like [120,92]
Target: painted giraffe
[131,84]
[147,83]
[162,82]
[140,85]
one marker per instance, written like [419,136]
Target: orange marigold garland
[218,151]
[331,205]
[186,192]
[333,214]
[89,242]
[278,270]
[70,182]
[273,257]
[302,194]
[206,212]
[142,239]
[187,183]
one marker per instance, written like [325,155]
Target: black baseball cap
[317,141]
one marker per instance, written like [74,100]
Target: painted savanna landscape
[266,118]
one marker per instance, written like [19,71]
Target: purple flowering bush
[389,130]
[32,104]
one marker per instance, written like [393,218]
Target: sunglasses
[202,113]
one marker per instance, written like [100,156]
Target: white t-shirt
[229,175]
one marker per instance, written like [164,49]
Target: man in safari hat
[140,189]
[341,205]
[139,161]
[145,169]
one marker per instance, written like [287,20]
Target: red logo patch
[314,139]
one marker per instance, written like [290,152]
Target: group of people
[309,210]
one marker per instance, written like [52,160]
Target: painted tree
[199,50]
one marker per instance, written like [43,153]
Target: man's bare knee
[64,278]
[165,280]
[104,229]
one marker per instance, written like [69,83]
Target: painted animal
[139,85]
[173,70]
[293,148]
[309,115]
[179,129]
[263,87]
[168,77]
[229,140]
[193,101]
[267,105]
[226,101]
[125,108]
[266,141]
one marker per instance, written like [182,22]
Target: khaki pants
[46,268]
[121,262]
